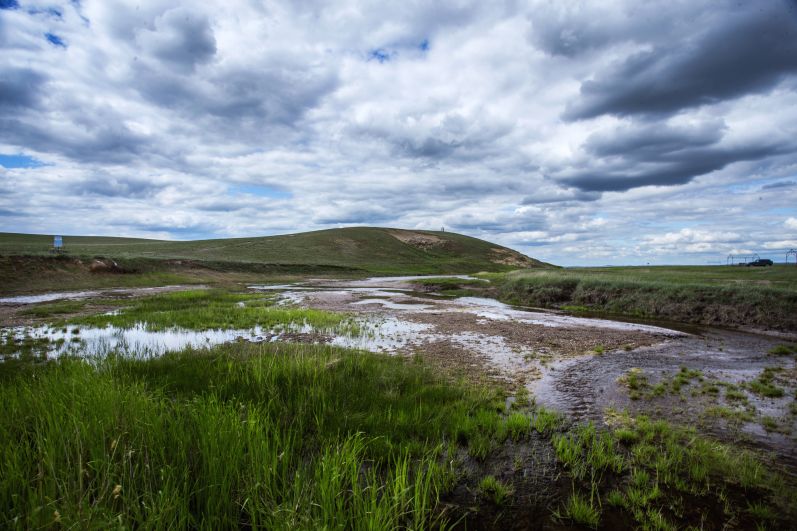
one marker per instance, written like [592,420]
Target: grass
[271,436]
[581,510]
[495,490]
[54,308]
[783,350]
[213,309]
[662,470]
[696,294]
[764,385]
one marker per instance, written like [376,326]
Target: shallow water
[77,295]
[395,320]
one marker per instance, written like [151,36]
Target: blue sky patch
[55,40]
[380,55]
[424,45]
[259,191]
[9,4]
[18,161]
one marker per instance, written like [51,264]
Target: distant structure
[58,245]
[442,229]
[736,259]
[791,252]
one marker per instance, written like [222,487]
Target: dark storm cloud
[748,51]
[654,154]
[454,137]
[99,139]
[20,88]
[108,186]
[180,38]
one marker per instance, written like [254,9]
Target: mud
[11,307]
[576,365]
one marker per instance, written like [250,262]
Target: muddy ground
[580,366]
[587,368]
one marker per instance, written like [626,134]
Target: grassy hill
[367,249]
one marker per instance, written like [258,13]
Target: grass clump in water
[764,385]
[262,436]
[580,510]
[213,309]
[783,350]
[497,491]
[54,308]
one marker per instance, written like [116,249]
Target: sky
[579,133]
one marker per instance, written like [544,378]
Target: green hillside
[369,249]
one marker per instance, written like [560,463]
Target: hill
[367,249]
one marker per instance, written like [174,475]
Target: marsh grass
[783,350]
[272,436]
[710,295]
[765,386]
[661,467]
[494,489]
[213,309]
[580,510]
[54,308]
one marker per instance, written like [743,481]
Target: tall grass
[681,294]
[272,436]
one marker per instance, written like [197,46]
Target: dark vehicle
[763,262]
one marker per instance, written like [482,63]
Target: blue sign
[58,242]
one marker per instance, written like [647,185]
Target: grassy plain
[355,249]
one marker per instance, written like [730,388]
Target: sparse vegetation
[783,350]
[764,385]
[495,490]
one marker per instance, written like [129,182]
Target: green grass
[697,294]
[271,436]
[213,309]
[495,490]
[581,510]
[54,308]
[662,470]
[764,385]
[783,350]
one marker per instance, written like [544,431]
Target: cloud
[214,119]
[180,38]
[659,154]
[21,88]
[791,223]
[749,49]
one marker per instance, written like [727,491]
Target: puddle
[48,297]
[137,341]
[513,342]
[77,295]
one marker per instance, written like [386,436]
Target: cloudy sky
[606,132]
